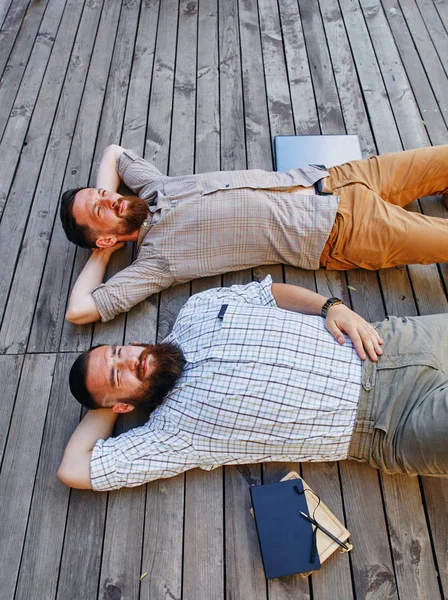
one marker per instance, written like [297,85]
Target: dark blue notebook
[293,151]
[286,538]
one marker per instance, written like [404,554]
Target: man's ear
[106,241]
[122,408]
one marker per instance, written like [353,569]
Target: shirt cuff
[103,476]
[266,296]
[126,158]
[103,303]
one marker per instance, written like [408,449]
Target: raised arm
[74,470]
[107,177]
[81,305]
[340,319]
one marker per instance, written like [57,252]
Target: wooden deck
[195,85]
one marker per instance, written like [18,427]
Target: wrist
[329,303]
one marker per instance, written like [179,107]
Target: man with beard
[191,226]
[254,374]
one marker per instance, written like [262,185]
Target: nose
[109,202]
[127,360]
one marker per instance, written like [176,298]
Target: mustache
[140,370]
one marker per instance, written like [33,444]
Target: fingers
[365,338]
[335,331]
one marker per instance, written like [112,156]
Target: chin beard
[166,367]
[136,213]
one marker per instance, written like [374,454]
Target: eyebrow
[112,373]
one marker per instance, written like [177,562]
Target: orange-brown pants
[372,230]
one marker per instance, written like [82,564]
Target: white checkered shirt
[212,223]
[261,384]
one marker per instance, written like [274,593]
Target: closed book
[294,151]
[286,538]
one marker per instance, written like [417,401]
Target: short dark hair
[78,234]
[77,380]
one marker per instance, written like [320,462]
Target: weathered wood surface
[196,86]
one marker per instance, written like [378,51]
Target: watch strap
[328,304]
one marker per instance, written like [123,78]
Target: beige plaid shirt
[200,225]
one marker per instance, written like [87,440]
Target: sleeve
[139,456]
[130,286]
[137,173]
[257,293]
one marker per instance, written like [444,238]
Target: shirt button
[227,184]
[367,385]
[173,202]
[145,223]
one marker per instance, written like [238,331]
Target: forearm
[107,177]
[297,299]
[339,320]
[81,307]
[74,470]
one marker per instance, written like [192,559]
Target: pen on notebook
[333,537]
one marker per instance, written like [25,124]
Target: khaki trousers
[402,420]
[372,230]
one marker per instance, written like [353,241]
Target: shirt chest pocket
[254,334]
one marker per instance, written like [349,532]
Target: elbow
[114,150]
[72,316]
[78,317]
[66,477]
[72,479]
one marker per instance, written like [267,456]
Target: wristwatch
[328,303]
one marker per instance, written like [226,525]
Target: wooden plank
[434,14]
[374,93]
[20,463]
[207,154]
[18,58]
[24,103]
[275,75]
[40,221]
[406,113]
[371,559]
[423,68]
[39,567]
[233,150]
[49,317]
[4,8]
[181,157]
[330,117]
[159,117]
[10,367]
[258,142]
[348,87]
[413,558]
[162,554]
[300,84]
[12,18]
[436,499]
[83,543]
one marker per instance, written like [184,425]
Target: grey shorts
[402,419]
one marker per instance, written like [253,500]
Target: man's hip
[402,419]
